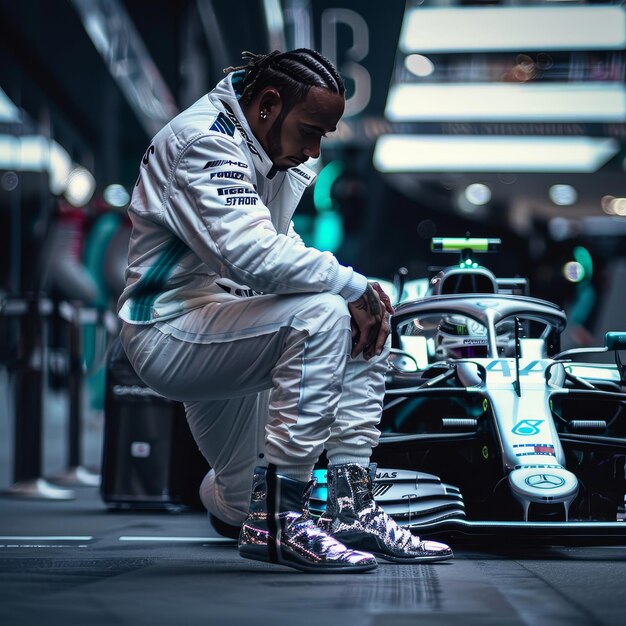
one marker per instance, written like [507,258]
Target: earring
[263,115]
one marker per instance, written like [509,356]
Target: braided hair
[293,73]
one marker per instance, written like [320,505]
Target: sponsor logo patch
[545,481]
[236,123]
[227,162]
[531,449]
[527,428]
[233,191]
[298,171]
[223,125]
[233,175]
[380,475]
[241,201]
[146,156]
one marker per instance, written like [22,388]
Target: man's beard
[274,146]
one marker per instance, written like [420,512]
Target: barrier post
[28,389]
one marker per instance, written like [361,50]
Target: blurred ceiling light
[80,186]
[542,28]
[8,111]
[419,65]
[275,23]
[116,195]
[436,153]
[478,194]
[563,195]
[495,102]
[36,153]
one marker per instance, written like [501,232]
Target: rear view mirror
[615,341]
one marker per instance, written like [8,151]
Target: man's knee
[226,500]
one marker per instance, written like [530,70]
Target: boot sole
[412,559]
[291,560]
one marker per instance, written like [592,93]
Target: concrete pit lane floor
[75,562]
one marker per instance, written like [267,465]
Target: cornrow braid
[321,66]
[293,73]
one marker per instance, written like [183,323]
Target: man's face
[298,137]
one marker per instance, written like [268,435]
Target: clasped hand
[370,321]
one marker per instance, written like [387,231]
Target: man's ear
[270,104]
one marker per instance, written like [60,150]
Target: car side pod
[543,485]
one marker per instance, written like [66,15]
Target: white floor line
[43,538]
[187,539]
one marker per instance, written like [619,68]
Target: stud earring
[263,115]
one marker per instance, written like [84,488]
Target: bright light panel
[546,102]
[422,153]
[513,28]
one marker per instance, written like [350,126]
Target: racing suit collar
[224,97]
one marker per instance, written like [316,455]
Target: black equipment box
[150,459]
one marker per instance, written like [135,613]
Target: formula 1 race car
[488,428]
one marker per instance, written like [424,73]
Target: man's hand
[370,321]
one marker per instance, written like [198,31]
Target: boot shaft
[349,489]
[275,493]
[353,517]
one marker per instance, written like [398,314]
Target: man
[277,350]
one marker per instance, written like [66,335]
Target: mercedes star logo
[545,481]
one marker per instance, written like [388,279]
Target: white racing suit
[227,310]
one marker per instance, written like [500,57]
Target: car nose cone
[543,484]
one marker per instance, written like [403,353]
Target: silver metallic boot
[353,517]
[278,529]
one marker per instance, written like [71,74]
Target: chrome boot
[278,529]
[353,517]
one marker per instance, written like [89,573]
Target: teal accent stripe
[236,82]
[150,285]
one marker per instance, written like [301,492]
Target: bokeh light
[419,65]
[573,272]
[563,195]
[478,194]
